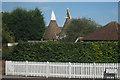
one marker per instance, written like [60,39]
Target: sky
[101,12]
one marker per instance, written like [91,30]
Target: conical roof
[108,32]
[68,19]
[53,29]
[68,16]
[53,16]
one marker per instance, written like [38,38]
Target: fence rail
[56,69]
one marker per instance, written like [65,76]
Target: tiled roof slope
[108,32]
[52,31]
[68,19]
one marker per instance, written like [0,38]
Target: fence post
[10,66]
[69,70]
[47,70]
[26,74]
[94,71]
[118,70]
[74,70]
[6,65]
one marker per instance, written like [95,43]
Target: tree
[25,25]
[79,28]
[7,36]
[0,29]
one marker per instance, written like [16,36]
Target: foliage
[79,28]
[0,18]
[25,25]
[6,51]
[0,35]
[67,52]
[7,36]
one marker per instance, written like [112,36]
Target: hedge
[84,52]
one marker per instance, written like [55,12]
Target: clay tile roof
[108,32]
[52,31]
[68,20]
[64,28]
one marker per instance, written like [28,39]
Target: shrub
[67,52]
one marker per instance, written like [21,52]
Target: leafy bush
[67,52]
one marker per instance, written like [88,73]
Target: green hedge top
[67,52]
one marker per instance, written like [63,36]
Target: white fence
[56,69]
